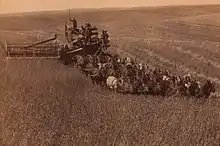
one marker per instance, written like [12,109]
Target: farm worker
[105,38]
[103,34]
[88,32]
[66,30]
[83,30]
[88,25]
[74,22]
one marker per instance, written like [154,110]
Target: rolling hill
[43,102]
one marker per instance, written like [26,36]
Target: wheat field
[43,102]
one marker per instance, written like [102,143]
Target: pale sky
[10,6]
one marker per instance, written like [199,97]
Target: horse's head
[99,65]
[187,85]
[211,86]
[146,66]
[199,84]
[208,87]
[140,66]
[165,78]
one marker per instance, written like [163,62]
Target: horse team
[125,75]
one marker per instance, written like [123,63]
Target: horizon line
[85,9]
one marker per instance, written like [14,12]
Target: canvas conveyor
[37,50]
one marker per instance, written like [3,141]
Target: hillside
[44,102]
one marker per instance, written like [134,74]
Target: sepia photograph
[109,73]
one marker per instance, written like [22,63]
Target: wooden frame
[43,51]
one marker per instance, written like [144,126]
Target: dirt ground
[43,102]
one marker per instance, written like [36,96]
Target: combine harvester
[32,51]
[84,40]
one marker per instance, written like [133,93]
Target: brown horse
[207,88]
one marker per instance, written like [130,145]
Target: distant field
[45,102]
